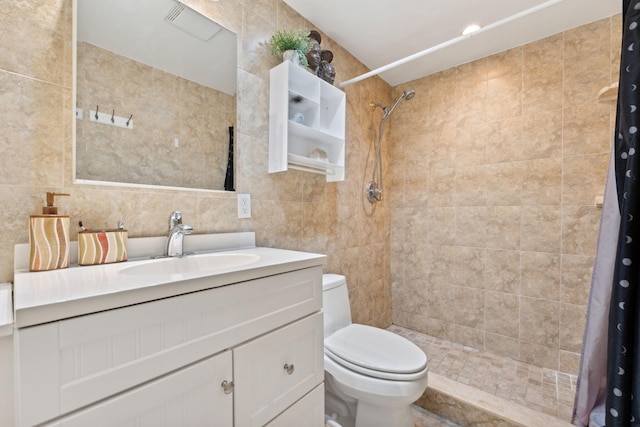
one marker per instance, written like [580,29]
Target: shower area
[491,179]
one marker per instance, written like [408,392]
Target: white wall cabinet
[210,358]
[320,108]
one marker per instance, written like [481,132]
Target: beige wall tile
[470,226]
[468,336]
[546,357]
[549,50]
[470,184]
[469,264]
[441,225]
[540,275]
[540,229]
[469,307]
[502,314]
[572,322]
[542,85]
[542,133]
[580,229]
[33,47]
[502,271]
[441,187]
[584,178]
[576,278]
[586,129]
[539,322]
[504,184]
[503,227]
[504,141]
[498,344]
[542,182]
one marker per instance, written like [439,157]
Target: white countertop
[47,296]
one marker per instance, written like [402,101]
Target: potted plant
[292,45]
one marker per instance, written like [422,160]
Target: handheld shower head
[374,188]
[407,95]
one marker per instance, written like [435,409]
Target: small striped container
[102,247]
[48,242]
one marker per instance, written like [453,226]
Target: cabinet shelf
[320,125]
[314,165]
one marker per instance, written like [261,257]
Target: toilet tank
[335,303]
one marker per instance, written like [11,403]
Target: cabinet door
[193,396]
[306,412]
[274,371]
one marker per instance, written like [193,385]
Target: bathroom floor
[541,389]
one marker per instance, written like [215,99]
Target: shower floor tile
[544,390]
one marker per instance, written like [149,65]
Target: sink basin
[190,264]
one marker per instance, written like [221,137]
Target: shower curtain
[607,380]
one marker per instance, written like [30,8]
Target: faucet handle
[175,219]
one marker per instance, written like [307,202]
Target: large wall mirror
[155,95]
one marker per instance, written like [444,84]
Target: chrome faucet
[177,230]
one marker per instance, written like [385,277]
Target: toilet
[371,375]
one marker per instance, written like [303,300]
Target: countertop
[47,296]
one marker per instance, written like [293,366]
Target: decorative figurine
[313,56]
[326,71]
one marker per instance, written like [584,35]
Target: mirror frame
[74,96]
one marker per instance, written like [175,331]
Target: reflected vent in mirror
[192,22]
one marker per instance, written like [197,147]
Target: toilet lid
[376,349]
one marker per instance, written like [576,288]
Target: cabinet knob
[289,368]
[227,386]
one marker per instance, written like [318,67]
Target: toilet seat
[376,352]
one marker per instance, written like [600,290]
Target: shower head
[407,95]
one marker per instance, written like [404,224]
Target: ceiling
[379,32]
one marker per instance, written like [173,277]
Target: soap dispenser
[49,238]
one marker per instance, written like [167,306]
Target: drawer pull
[227,386]
[289,368]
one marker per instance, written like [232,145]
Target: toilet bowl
[371,375]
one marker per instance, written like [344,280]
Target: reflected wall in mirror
[155,95]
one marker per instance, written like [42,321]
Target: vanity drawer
[65,365]
[264,387]
[192,396]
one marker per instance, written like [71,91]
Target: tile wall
[495,167]
[292,210]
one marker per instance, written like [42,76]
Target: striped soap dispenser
[49,238]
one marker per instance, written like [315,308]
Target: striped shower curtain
[609,375]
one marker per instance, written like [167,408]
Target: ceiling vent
[192,22]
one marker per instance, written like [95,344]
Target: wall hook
[96,112]
[113,115]
[128,121]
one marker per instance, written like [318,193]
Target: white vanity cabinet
[306,117]
[244,354]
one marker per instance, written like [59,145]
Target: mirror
[155,95]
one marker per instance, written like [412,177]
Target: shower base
[471,387]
